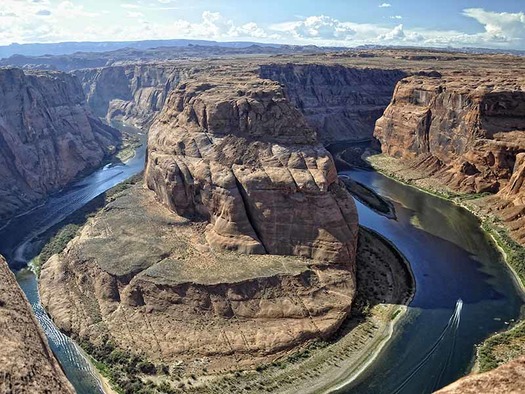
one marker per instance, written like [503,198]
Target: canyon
[48,137]
[239,245]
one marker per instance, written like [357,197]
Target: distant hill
[65,48]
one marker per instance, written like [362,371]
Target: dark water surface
[17,235]
[452,259]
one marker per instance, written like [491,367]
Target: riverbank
[504,346]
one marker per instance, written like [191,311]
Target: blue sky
[496,23]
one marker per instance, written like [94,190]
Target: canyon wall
[47,136]
[466,132]
[130,93]
[341,103]
[27,364]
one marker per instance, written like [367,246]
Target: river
[451,258]
[464,291]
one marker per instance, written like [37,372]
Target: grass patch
[505,346]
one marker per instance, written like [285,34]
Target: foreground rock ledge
[506,379]
[27,364]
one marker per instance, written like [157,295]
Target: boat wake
[449,331]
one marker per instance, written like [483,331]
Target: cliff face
[243,157]
[27,363]
[132,93]
[341,103]
[506,379]
[464,131]
[47,136]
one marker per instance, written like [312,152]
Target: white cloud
[396,17]
[502,26]
[385,5]
[320,27]
[396,33]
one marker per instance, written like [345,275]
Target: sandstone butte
[250,252]
[27,364]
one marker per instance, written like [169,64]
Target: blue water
[452,259]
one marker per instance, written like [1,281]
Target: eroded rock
[47,136]
[27,364]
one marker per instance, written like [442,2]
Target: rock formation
[507,379]
[27,364]
[47,136]
[341,103]
[130,93]
[251,253]
[466,132]
[242,156]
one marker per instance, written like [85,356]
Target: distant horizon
[246,43]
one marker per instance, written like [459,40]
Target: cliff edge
[27,364]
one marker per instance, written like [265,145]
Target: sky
[441,23]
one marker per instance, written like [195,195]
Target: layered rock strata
[250,252]
[27,364]
[341,103]
[47,136]
[130,93]
[465,130]
[467,133]
[243,157]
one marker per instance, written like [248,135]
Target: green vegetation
[515,253]
[502,348]
[59,241]
[127,372]
[510,344]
